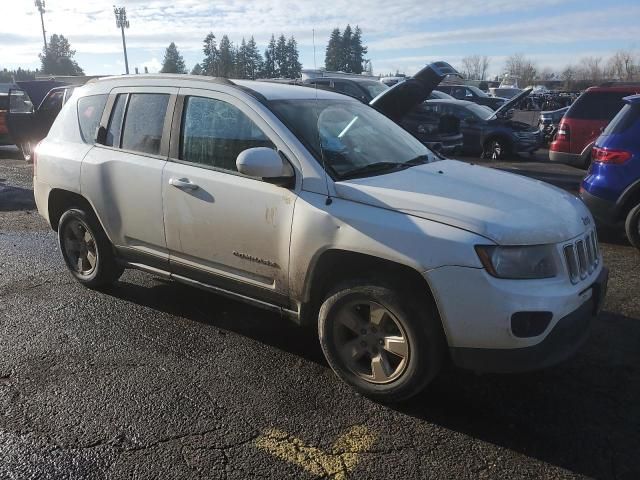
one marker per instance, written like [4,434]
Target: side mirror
[265,163]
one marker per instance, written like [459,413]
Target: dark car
[436,132]
[585,120]
[490,134]
[611,189]
[4,132]
[32,109]
[549,121]
[472,94]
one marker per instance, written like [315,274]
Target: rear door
[123,174]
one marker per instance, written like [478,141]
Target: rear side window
[625,119]
[348,89]
[597,106]
[144,122]
[53,101]
[215,132]
[89,113]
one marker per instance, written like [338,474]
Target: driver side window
[215,132]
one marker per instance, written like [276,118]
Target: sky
[402,35]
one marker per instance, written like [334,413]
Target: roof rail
[620,83]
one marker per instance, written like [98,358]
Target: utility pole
[40,5]
[122,23]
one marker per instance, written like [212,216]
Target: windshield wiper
[376,167]
[419,160]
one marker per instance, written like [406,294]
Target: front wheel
[27,151]
[632,226]
[495,149]
[381,341]
[86,249]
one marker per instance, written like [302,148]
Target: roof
[268,90]
[633,99]
[616,88]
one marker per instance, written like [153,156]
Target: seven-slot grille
[582,256]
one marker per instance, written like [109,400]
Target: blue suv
[611,188]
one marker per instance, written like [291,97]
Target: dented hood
[506,208]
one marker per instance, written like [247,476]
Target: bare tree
[484,67]
[569,76]
[474,67]
[517,65]
[621,65]
[591,69]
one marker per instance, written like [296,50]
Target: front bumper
[566,337]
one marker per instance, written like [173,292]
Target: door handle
[182,183]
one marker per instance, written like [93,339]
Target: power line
[122,23]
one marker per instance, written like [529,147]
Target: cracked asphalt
[152,379]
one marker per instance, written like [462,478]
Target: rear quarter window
[89,113]
[597,105]
[625,119]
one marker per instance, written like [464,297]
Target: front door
[224,228]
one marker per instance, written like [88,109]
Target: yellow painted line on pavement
[336,464]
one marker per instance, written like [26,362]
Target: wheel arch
[60,200]
[335,265]
[498,135]
[629,198]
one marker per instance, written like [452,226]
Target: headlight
[525,262]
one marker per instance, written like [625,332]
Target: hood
[506,208]
[402,97]
[512,102]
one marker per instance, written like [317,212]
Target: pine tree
[280,58]
[226,60]
[173,61]
[211,55]
[253,59]
[57,58]
[241,60]
[332,60]
[357,52]
[269,70]
[347,39]
[293,62]
[197,69]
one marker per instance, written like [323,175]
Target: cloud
[152,65]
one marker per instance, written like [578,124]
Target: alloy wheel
[371,342]
[80,247]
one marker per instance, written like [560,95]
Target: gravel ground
[152,379]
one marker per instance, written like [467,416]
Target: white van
[317,206]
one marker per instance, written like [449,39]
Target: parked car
[548,123]
[5,139]
[472,94]
[611,188]
[317,206]
[442,134]
[438,95]
[584,122]
[487,133]
[32,109]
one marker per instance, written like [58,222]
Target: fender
[629,193]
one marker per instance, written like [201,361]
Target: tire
[86,250]
[495,149]
[632,226]
[400,315]
[27,151]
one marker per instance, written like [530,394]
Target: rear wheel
[632,226]
[383,342]
[86,249]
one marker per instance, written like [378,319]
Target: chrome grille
[582,257]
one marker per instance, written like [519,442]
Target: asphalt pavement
[154,380]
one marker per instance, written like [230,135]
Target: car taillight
[605,155]
[564,132]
